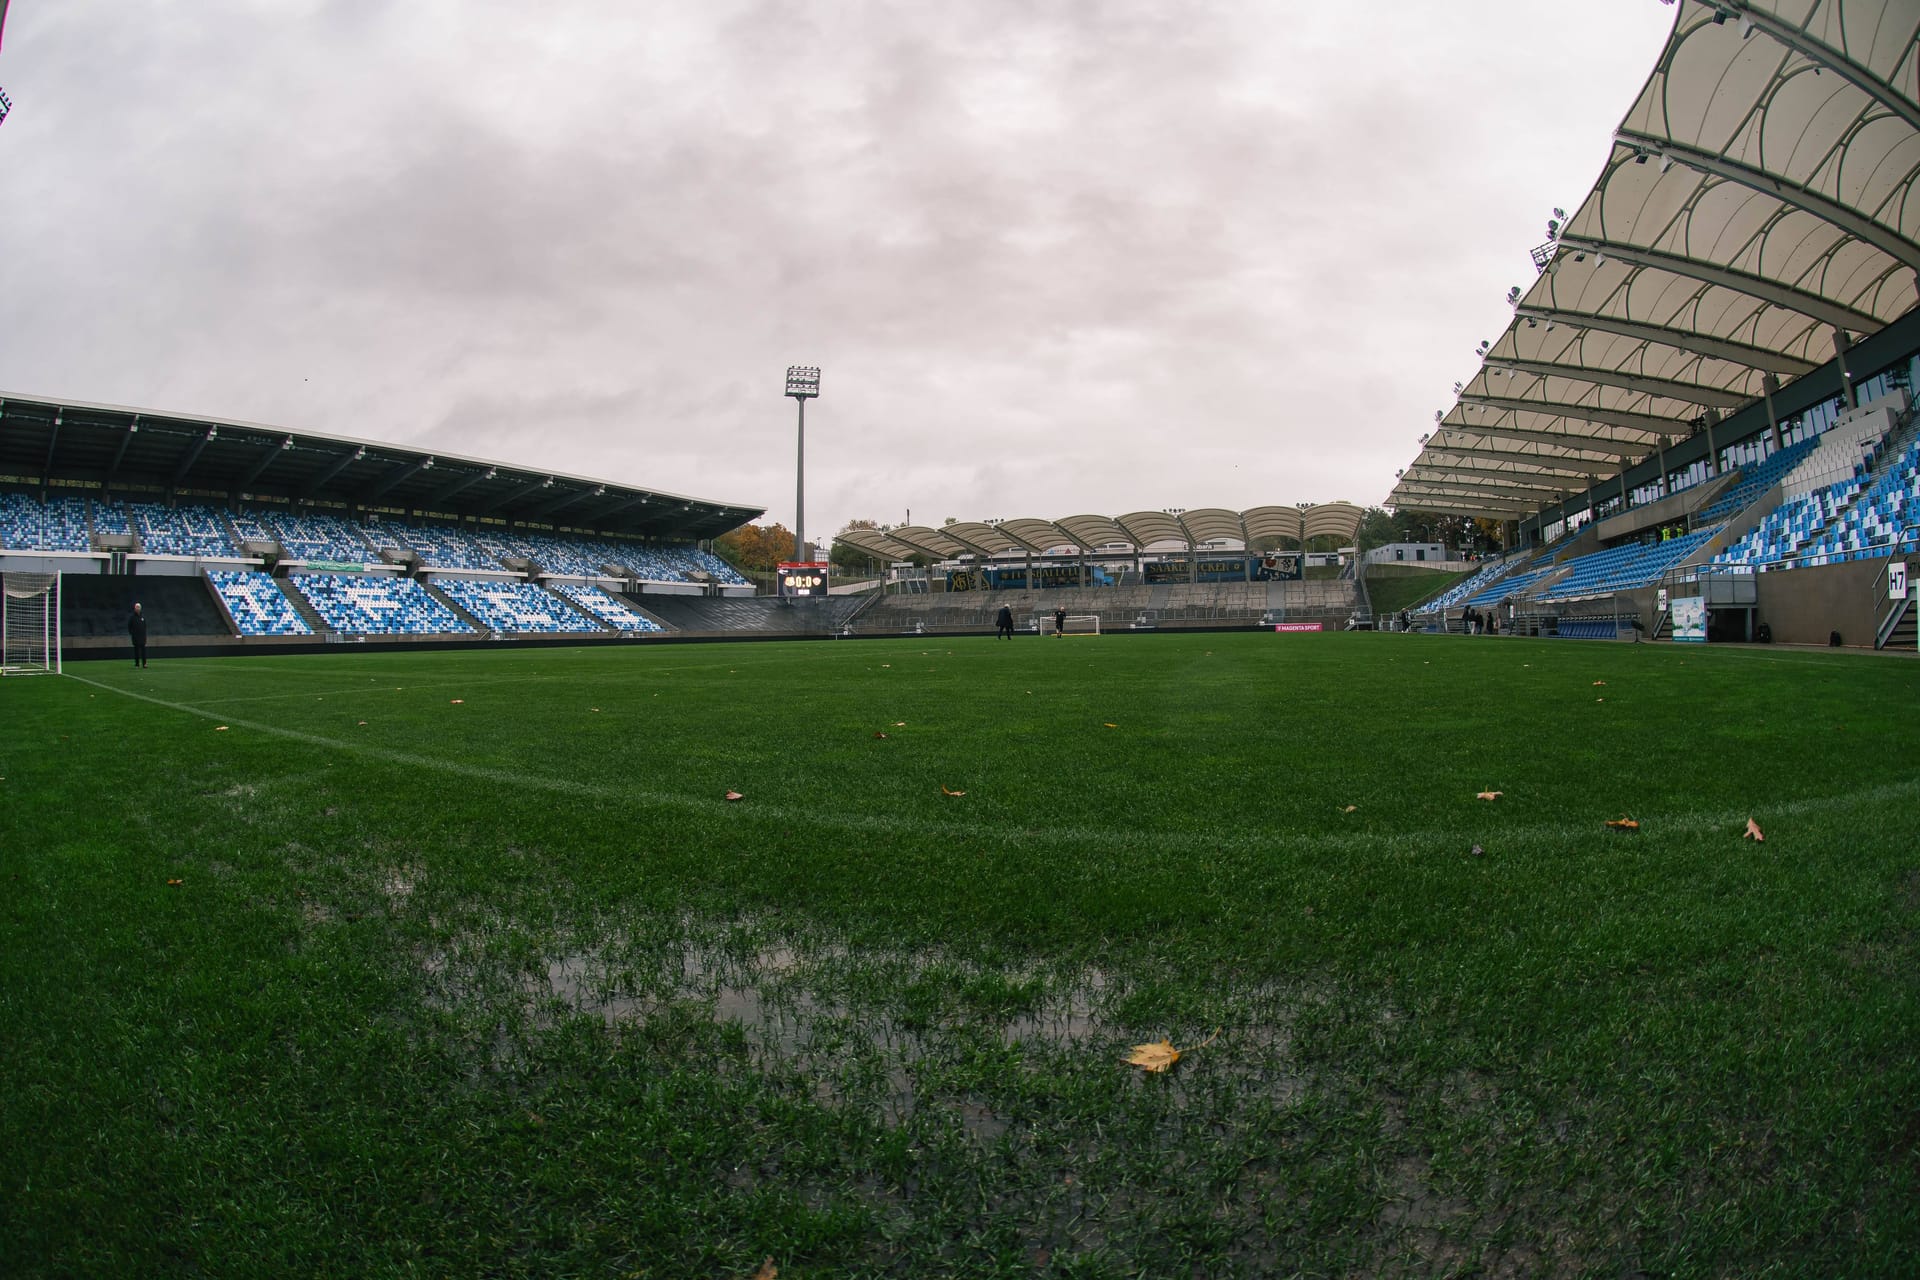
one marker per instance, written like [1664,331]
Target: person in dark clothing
[137,631]
[1004,622]
[1059,623]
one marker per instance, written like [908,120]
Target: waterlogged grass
[498,983]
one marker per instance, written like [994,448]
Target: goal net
[1077,624]
[29,623]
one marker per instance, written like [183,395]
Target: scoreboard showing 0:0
[803,578]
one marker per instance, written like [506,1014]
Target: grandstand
[235,533]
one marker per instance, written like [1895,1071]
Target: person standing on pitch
[1059,622]
[1003,622]
[137,631]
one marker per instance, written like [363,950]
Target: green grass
[506,987]
[1393,587]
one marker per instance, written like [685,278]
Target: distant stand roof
[43,440]
[1760,198]
[1136,531]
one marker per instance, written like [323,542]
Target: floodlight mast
[803,384]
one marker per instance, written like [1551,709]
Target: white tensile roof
[1139,530]
[1760,199]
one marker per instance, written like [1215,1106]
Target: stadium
[488,876]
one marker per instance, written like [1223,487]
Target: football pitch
[467,964]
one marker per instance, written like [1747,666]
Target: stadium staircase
[480,628]
[308,614]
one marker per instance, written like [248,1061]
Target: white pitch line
[1101,838]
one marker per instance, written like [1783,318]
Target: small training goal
[1077,624]
[29,624]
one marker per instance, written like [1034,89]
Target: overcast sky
[1053,256]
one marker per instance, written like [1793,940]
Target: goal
[1078,624]
[29,623]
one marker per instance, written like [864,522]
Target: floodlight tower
[803,384]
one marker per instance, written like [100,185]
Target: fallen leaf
[1350,808]
[899,724]
[1753,831]
[1110,724]
[879,735]
[1477,851]
[946,791]
[1599,684]
[735,795]
[1162,1055]
[219,728]
[593,708]
[1599,699]
[1488,795]
[176,882]
[767,1271]
[458,701]
[363,722]
[885,665]
[1623,824]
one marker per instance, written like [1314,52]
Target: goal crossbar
[1077,624]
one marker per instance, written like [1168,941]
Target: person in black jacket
[1004,622]
[137,630]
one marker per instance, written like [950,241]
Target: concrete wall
[1803,606]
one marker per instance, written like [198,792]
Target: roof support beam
[1690,392]
[113,468]
[1770,291]
[340,464]
[1456,504]
[1556,439]
[1443,470]
[1652,424]
[1680,339]
[1851,221]
[259,468]
[193,456]
[1826,56]
[405,471]
[636,500]
[46,467]
[1510,493]
[1543,462]
[459,483]
[514,494]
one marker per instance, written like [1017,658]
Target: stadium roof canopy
[135,451]
[1758,213]
[1135,531]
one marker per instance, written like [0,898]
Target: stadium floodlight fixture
[803,384]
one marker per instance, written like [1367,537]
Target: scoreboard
[803,578]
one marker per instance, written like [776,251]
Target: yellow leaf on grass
[947,791]
[879,735]
[1487,795]
[219,728]
[767,1271]
[1599,684]
[1350,808]
[735,795]
[363,722]
[176,882]
[1753,830]
[1110,724]
[899,724]
[1623,824]
[1161,1055]
[458,701]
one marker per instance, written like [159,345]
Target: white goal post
[29,624]
[1078,624]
